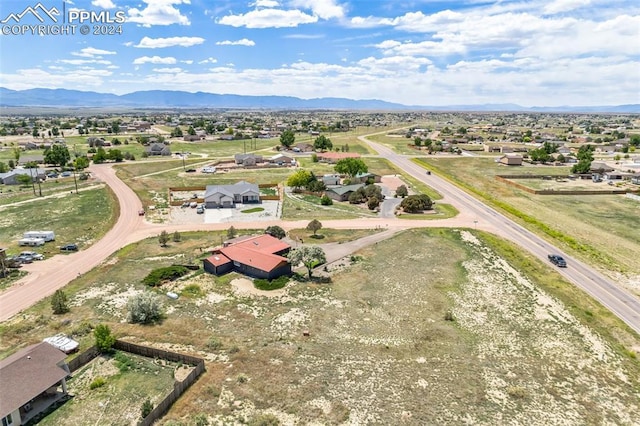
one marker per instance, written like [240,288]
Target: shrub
[264,420]
[275,231]
[214,343]
[325,200]
[201,419]
[123,362]
[104,338]
[176,237]
[169,273]
[274,284]
[192,290]
[59,303]
[98,382]
[144,308]
[147,408]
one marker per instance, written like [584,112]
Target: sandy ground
[245,287]
[179,215]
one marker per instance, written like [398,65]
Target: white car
[209,170]
[32,254]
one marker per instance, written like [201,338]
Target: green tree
[275,231]
[176,132]
[146,409]
[4,168]
[325,200]
[191,131]
[81,163]
[634,140]
[287,138]
[314,226]
[24,180]
[59,303]
[115,127]
[416,203]
[16,154]
[144,308]
[100,156]
[231,232]
[299,179]
[104,339]
[309,256]
[417,141]
[177,237]
[163,238]
[57,155]
[351,166]
[115,155]
[322,143]
[402,191]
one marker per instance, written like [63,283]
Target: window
[7,421]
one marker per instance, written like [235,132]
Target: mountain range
[63,98]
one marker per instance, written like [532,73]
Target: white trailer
[45,235]
[31,242]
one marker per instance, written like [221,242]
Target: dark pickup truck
[557,260]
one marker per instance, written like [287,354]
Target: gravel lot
[271,211]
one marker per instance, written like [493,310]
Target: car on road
[34,255]
[141,212]
[557,260]
[69,247]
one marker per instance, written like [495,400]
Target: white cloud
[168,70]
[209,61]
[90,52]
[188,61]
[559,6]
[105,4]
[153,43]
[324,9]
[154,60]
[84,61]
[268,18]
[159,12]
[243,42]
[304,36]
[265,3]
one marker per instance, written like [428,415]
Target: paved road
[618,300]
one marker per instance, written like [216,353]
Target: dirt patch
[245,287]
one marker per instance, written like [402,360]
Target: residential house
[193,138]
[158,149]
[248,159]
[342,193]
[217,196]
[32,379]
[11,177]
[282,160]
[635,179]
[366,177]
[259,256]
[510,160]
[302,147]
[331,180]
[600,167]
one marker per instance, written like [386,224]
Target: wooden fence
[179,387]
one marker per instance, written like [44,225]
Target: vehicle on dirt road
[69,247]
[557,260]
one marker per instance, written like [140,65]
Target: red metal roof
[257,252]
[218,259]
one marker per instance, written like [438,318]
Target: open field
[81,218]
[302,206]
[431,326]
[331,235]
[603,224]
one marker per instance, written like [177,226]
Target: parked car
[12,262]
[193,205]
[200,209]
[34,255]
[25,259]
[209,170]
[557,260]
[69,247]
[65,174]
[185,204]
[191,170]
[52,175]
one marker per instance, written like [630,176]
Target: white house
[217,196]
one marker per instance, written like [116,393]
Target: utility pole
[32,181]
[74,176]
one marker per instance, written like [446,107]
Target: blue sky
[414,52]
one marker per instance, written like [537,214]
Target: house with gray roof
[11,178]
[158,149]
[342,193]
[33,379]
[217,196]
[248,159]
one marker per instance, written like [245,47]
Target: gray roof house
[158,149]
[333,179]
[32,379]
[248,159]
[10,178]
[342,193]
[217,196]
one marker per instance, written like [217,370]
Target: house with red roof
[334,157]
[260,256]
[32,380]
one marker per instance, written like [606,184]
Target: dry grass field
[429,327]
[606,223]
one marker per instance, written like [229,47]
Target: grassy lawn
[303,206]
[430,324]
[332,235]
[596,228]
[81,218]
